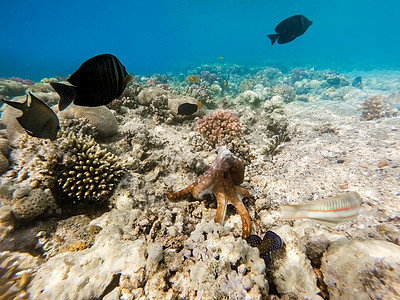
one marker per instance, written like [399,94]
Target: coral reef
[134,243]
[87,172]
[287,93]
[221,179]
[218,126]
[11,88]
[201,92]
[30,203]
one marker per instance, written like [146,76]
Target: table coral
[221,180]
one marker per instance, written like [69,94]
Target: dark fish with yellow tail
[37,118]
[187,109]
[289,29]
[329,211]
[98,81]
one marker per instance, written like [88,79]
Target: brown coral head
[218,125]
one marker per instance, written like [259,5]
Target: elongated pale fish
[329,211]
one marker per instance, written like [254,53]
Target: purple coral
[219,125]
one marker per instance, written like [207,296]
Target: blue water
[48,38]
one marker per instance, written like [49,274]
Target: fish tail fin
[128,79]
[290,212]
[273,38]
[67,94]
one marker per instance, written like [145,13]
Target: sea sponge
[14,277]
[87,172]
[218,126]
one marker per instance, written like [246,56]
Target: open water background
[48,38]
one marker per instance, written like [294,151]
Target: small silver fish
[329,211]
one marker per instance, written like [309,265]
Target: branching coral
[201,92]
[373,107]
[87,171]
[218,126]
[13,278]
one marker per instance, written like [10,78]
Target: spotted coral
[87,171]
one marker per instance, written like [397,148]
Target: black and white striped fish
[98,81]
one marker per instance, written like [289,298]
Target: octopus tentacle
[242,193]
[244,215]
[221,208]
[183,192]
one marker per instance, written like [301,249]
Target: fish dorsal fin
[18,105]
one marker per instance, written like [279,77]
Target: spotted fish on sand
[329,211]
[37,119]
[98,81]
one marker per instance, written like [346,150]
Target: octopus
[221,179]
